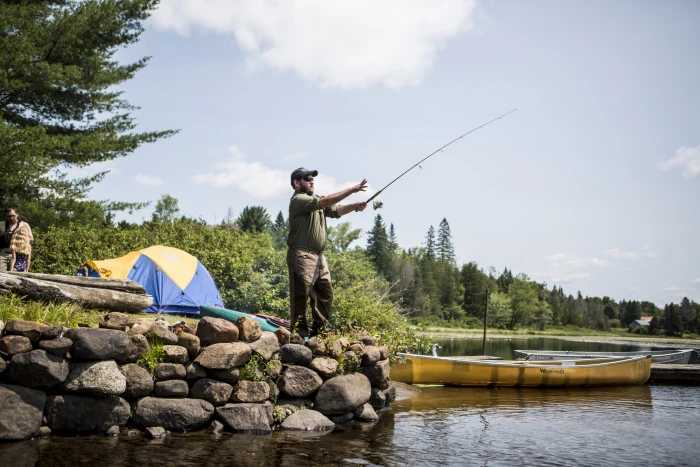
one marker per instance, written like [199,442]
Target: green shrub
[154,356]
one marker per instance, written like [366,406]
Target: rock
[377,399]
[52,332]
[370,356]
[336,350]
[274,369]
[168,337]
[171,388]
[212,391]
[357,347]
[297,339]
[365,413]
[3,365]
[155,432]
[340,419]
[139,347]
[368,341]
[383,352]
[114,320]
[96,378]
[57,346]
[352,361]
[224,356]
[296,354]
[344,343]
[247,418]
[83,414]
[316,345]
[390,393]
[99,344]
[298,381]
[21,412]
[250,391]
[189,342]
[216,331]
[343,394]
[168,371]
[172,414]
[274,390]
[266,345]
[307,420]
[13,345]
[37,369]
[29,329]
[139,381]
[215,427]
[324,366]
[229,376]
[141,326]
[378,374]
[248,329]
[296,402]
[114,430]
[44,432]
[283,335]
[175,354]
[195,371]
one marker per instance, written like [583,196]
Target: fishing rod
[379,204]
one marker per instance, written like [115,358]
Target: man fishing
[309,277]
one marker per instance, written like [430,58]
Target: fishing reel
[377,205]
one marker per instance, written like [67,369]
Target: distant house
[638,323]
[647,318]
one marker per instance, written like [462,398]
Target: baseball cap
[301,172]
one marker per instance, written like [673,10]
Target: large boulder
[283,335]
[114,320]
[175,354]
[172,414]
[250,391]
[57,346]
[229,376]
[378,374]
[216,331]
[307,420]
[190,342]
[139,347]
[370,356]
[365,413]
[378,399]
[224,356]
[324,366]
[29,329]
[247,418]
[168,371]
[100,378]
[21,411]
[212,391]
[298,381]
[316,345]
[139,381]
[171,388]
[99,344]
[13,345]
[160,330]
[248,329]
[38,369]
[343,394]
[83,414]
[3,365]
[266,346]
[296,354]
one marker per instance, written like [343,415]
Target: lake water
[630,425]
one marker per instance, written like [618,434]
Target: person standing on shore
[7,230]
[309,277]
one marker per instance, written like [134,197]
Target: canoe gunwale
[529,364]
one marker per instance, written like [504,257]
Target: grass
[154,356]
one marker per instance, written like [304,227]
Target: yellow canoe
[460,371]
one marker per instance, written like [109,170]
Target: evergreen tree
[280,231]
[474,285]
[504,281]
[688,315]
[632,311]
[445,248]
[672,323]
[378,248]
[430,243]
[393,242]
[254,219]
[59,105]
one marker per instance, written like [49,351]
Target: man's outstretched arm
[354,207]
[336,198]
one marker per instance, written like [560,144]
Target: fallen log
[89,297]
[92,282]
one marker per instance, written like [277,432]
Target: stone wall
[221,376]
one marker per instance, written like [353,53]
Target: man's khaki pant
[5,259]
[309,279]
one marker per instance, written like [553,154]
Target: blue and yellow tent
[177,280]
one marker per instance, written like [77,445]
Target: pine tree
[445,248]
[378,248]
[504,281]
[430,243]
[60,106]
[280,231]
[393,242]
[254,219]
[688,315]
[474,285]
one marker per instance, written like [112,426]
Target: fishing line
[379,204]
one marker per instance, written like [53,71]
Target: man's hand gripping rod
[378,204]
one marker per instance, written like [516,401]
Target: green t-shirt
[307,221]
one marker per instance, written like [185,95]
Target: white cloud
[697,281]
[148,180]
[626,254]
[688,158]
[332,43]
[260,181]
[571,260]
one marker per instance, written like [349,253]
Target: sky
[592,184]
